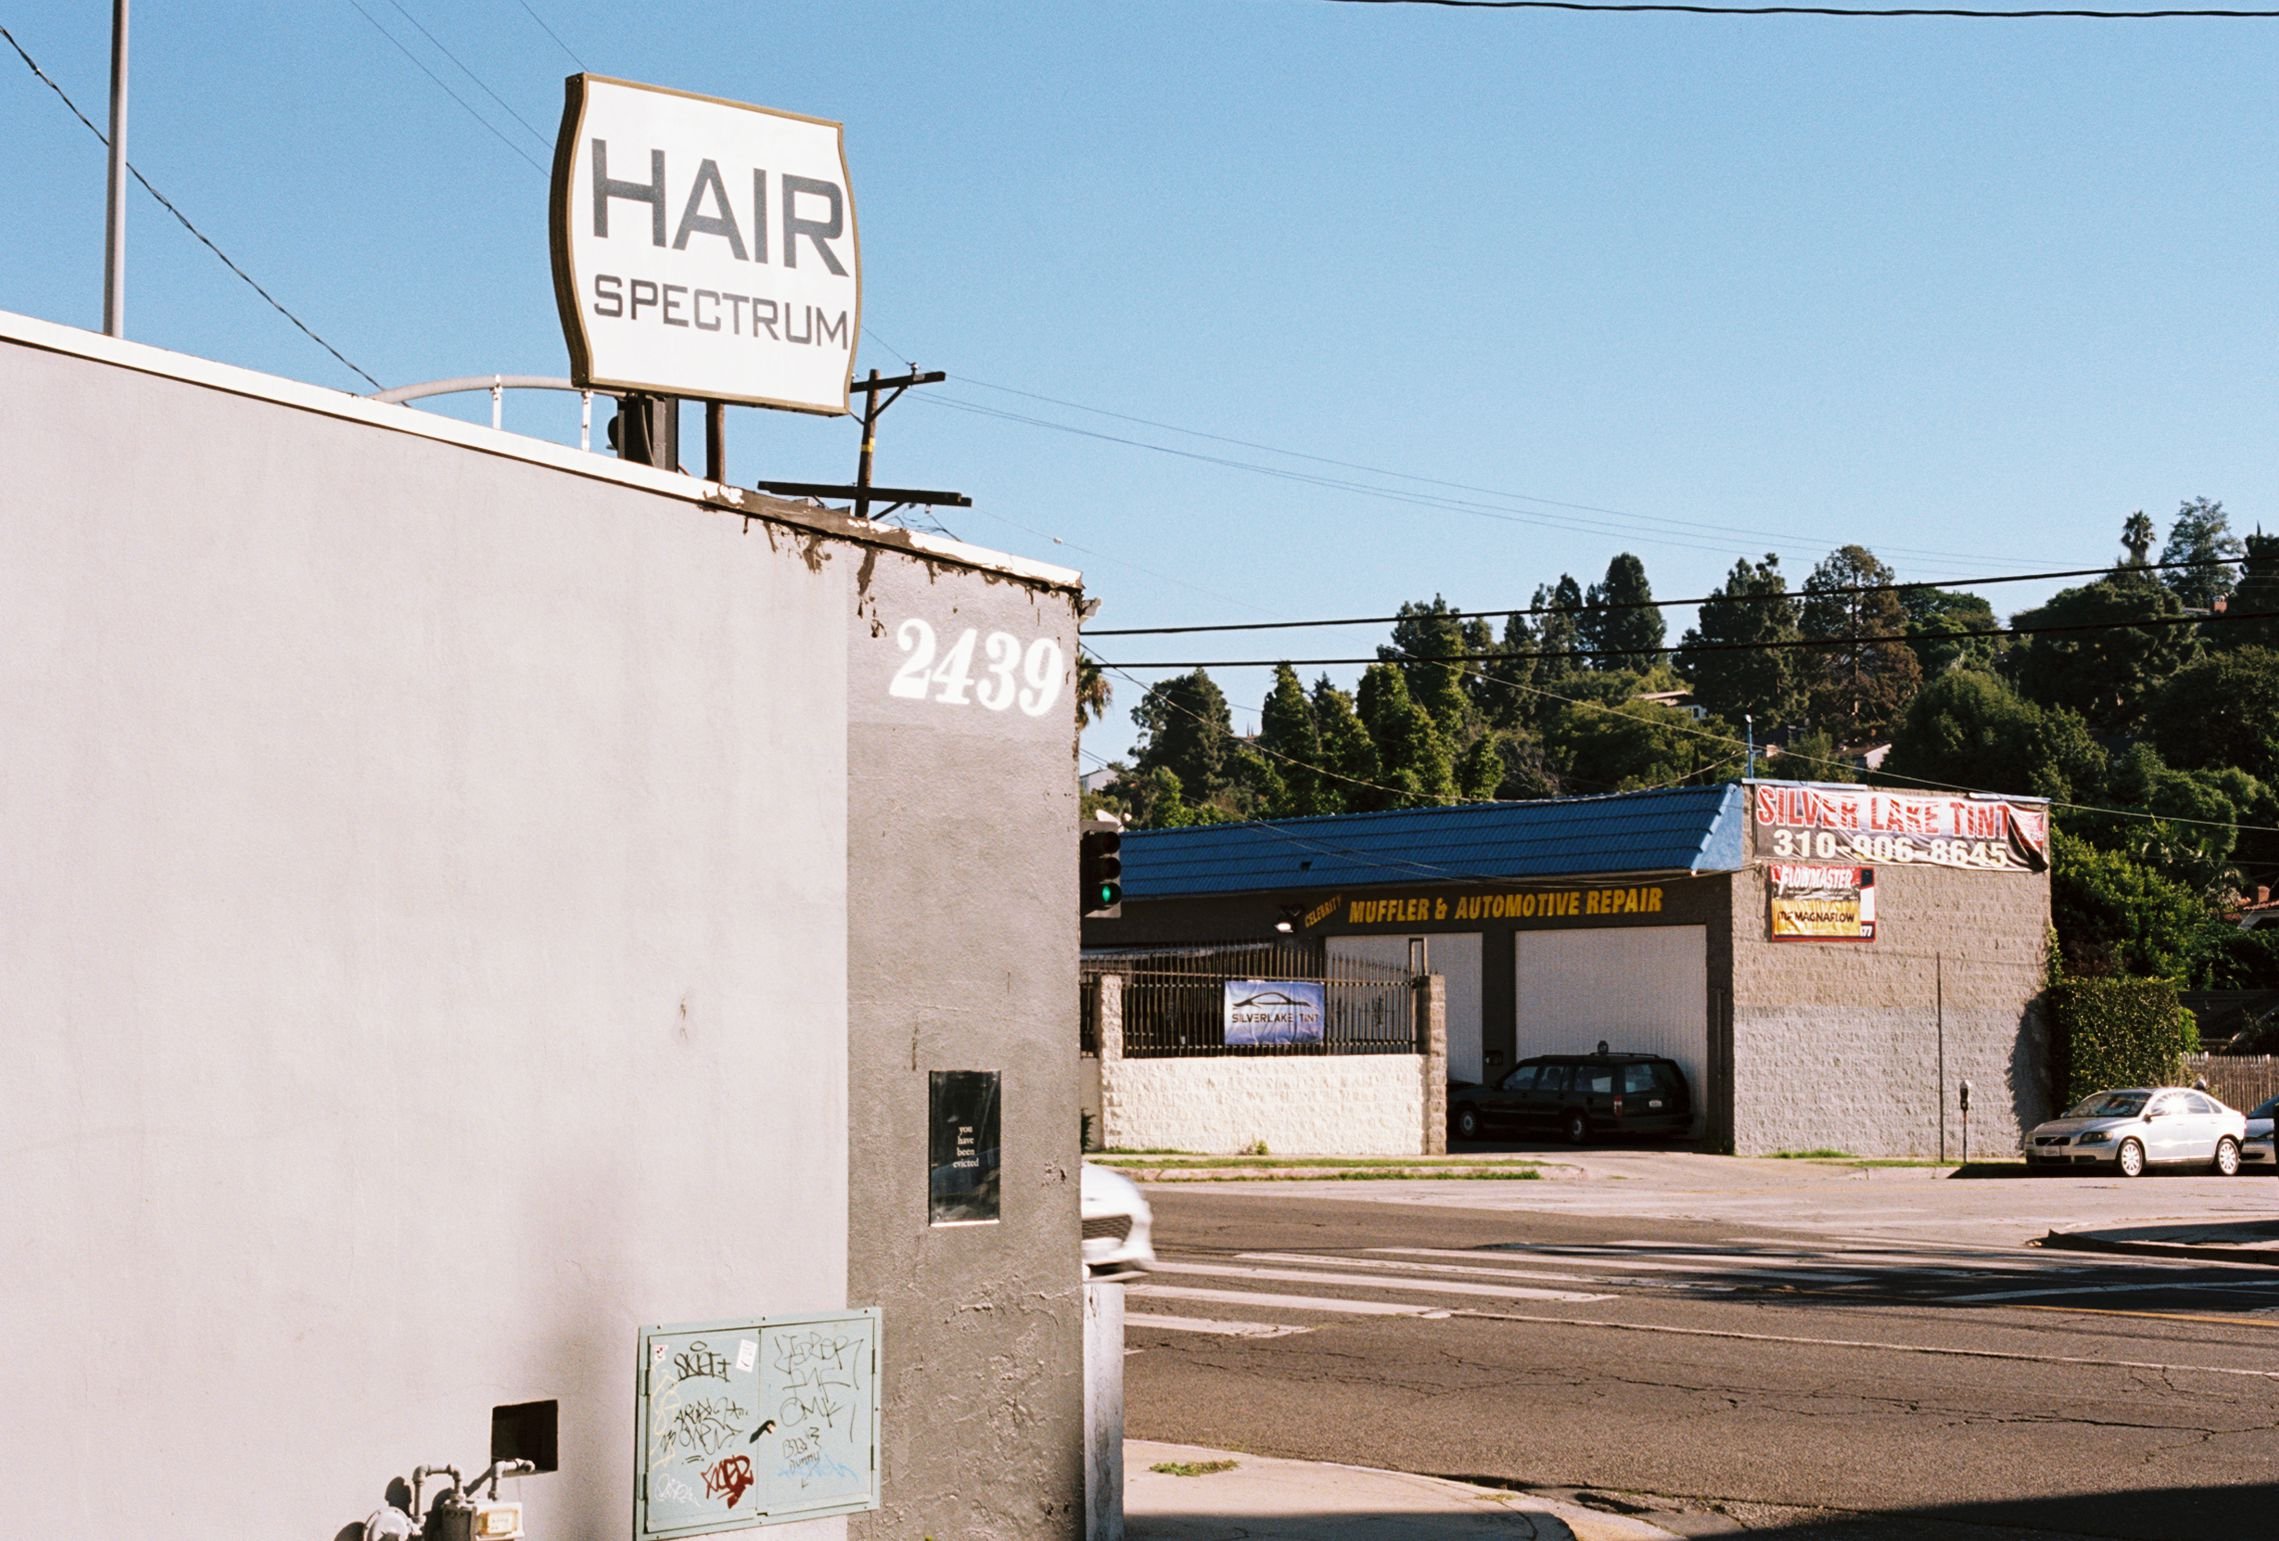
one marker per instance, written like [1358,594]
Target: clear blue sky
[1967,293]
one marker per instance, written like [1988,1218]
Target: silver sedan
[2139,1126]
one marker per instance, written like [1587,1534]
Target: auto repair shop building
[1828,963]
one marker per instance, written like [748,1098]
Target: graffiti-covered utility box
[416,831]
[742,1423]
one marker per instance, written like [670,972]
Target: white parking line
[1215,1329]
[1284,1302]
[1377,1281]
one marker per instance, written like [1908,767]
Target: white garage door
[1455,956]
[1642,989]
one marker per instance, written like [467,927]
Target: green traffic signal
[1100,864]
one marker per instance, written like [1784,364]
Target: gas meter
[458,1514]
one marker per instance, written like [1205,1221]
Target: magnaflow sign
[704,248]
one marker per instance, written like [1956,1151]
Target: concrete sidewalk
[1264,1499]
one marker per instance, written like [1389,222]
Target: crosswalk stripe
[1377,1281]
[1215,1329]
[1310,1259]
[1256,1300]
[1644,1265]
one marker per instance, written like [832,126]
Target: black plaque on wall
[965,1156]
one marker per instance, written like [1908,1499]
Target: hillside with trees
[2144,701]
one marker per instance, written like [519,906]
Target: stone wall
[1862,1046]
[1331,1104]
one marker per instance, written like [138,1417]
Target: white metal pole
[115,222]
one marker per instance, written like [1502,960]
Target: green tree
[2222,710]
[1933,614]
[1855,688]
[1290,740]
[1969,729]
[1527,772]
[1813,756]
[1187,730]
[1504,695]
[1415,765]
[1428,648]
[2137,536]
[1480,768]
[2110,672]
[2189,837]
[1093,692]
[1154,799]
[2201,534]
[2115,915]
[1619,623]
[1557,631]
[1731,653]
[1348,756]
[1623,747]
[2255,602]
[1255,788]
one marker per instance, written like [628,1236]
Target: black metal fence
[1174,999]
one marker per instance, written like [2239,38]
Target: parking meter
[1964,1091]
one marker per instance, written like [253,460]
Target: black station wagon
[1577,1097]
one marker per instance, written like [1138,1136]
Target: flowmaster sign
[704,248]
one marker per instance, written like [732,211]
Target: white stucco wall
[422,953]
[1337,1104]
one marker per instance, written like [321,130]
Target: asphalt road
[1824,1369]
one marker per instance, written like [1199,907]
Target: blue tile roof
[1684,829]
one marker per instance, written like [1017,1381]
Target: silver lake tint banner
[1868,825]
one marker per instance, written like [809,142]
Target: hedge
[2119,1032]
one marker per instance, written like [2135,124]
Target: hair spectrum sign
[704,248]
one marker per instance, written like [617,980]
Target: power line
[443,86]
[442,48]
[1274,830]
[1358,781]
[1528,517]
[1829,643]
[1949,13]
[550,32]
[1693,730]
[183,219]
[1786,596]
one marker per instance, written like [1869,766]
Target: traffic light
[1100,872]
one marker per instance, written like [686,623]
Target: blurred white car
[1118,1227]
[2133,1127]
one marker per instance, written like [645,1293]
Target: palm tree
[1092,692]
[2137,537]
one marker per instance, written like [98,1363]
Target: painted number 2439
[1009,674]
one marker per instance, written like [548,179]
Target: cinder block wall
[1318,1105]
[1837,1045]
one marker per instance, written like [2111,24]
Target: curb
[2078,1241]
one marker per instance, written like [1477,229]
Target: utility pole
[716,441]
[878,395]
[115,219]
